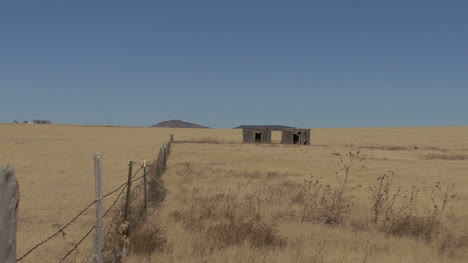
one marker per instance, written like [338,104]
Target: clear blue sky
[225,63]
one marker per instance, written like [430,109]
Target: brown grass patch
[254,230]
[449,157]
[148,238]
[212,140]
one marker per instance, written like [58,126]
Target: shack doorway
[258,137]
[295,138]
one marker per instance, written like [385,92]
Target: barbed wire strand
[60,230]
[118,196]
[56,233]
[89,231]
[122,187]
[77,244]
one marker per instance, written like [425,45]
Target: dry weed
[421,213]
[326,203]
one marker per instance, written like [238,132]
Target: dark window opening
[295,139]
[258,137]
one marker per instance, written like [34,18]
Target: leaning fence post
[144,185]
[129,190]
[9,200]
[98,226]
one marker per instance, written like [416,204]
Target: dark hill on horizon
[178,124]
[269,127]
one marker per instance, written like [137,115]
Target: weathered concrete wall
[296,136]
[248,136]
[256,136]
[266,136]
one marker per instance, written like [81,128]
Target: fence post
[127,208]
[144,185]
[171,140]
[129,190]
[9,200]
[98,226]
[159,168]
[165,157]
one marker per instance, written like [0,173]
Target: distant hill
[270,127]
[178,124]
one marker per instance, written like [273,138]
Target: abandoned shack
[42,122]
[256,135]
[296,136]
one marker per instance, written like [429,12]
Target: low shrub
[147,239]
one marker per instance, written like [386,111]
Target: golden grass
[238,203]
[54,167]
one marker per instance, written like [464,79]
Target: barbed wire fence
[143,187]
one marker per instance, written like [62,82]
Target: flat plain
[248,189]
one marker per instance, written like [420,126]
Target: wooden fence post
[129,190]
[127,208]
[9,200]
[165,157]
[171,140]
[159,168]
[144,186]
[98,226]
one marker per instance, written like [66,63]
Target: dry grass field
[231,202]
[54,167]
